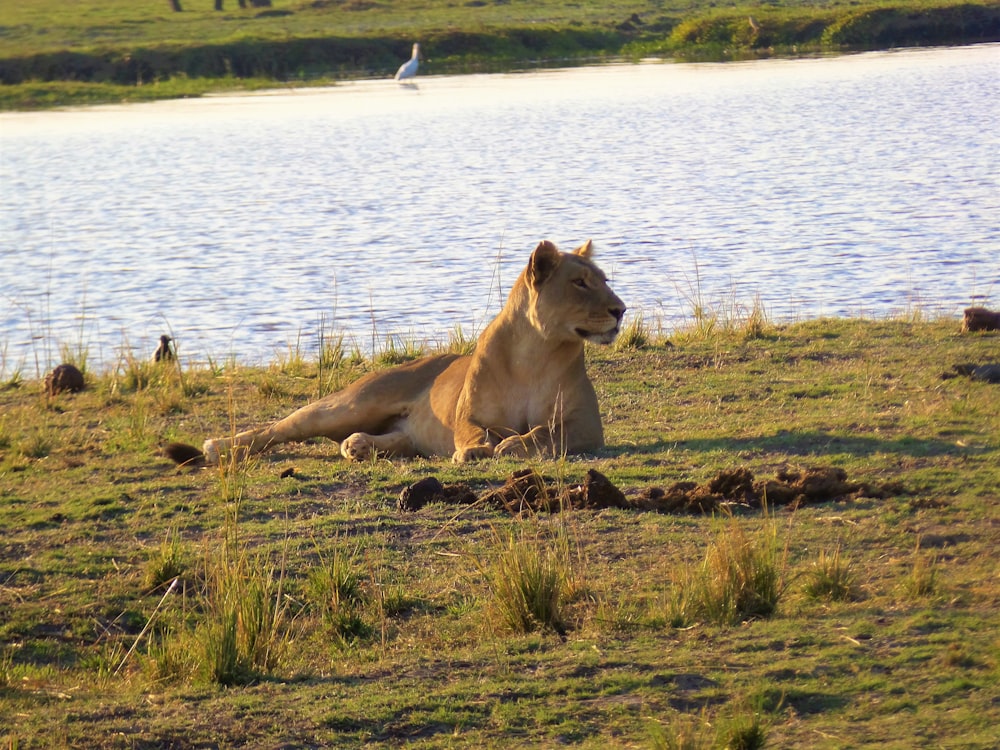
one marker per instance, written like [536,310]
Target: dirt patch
[527,490]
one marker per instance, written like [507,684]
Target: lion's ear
[585,250]
[543,263]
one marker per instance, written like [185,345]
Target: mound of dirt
[738,487]
[527,490]
[430,490]
[64,378]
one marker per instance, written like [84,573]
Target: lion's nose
[618,312]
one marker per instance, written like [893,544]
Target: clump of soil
[527,490]
[430,490]
[738,487]
[64,377]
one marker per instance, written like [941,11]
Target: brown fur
[523,391]
[980,319]
[64,377]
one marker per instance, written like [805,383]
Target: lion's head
[569,297]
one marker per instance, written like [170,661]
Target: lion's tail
[184,455]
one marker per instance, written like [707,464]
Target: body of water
[866,185]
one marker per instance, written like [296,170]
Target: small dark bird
[164,353]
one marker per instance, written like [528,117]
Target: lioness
[523,391]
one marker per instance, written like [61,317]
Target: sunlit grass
[528,574]
[168,562]
[921,580]
[832,578]
[335,588]
[294,586]
[634,335]
[742,576]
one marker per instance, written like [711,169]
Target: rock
[986,373]
[527,490]
[735,485]
[418,494]
[794,487]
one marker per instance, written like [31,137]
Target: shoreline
[347,352]
[146,71]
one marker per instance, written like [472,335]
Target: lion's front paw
[472,453]
[515,447]
[357,447]
[211,450]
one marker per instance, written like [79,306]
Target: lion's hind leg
[361,446]
[369,416]
[336,417]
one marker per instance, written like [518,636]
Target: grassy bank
[55,52]
[288,602]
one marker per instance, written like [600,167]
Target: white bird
[409,68]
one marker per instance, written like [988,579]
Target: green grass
[832,578]
[528,581]
[741,578]
[307,610]
[86,52]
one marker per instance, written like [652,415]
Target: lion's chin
[601,338]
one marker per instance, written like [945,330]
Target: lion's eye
[581,283]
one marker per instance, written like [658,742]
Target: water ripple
[856,185]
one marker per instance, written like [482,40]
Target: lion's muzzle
[607,331]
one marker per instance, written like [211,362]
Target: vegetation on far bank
[288,601]
[58,53]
